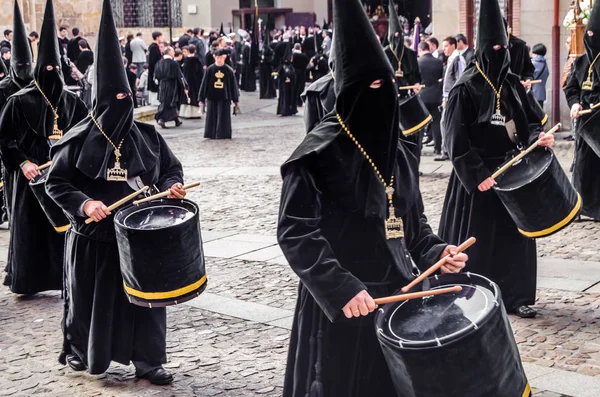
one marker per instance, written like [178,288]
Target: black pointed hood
[287,55]
[21,69]
[50,81]
[221,31]
[492,31]
[267,49]
[369,113]
[592,43]
[395,36]
[115,116]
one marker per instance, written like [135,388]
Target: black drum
[538,194]
[537,109]
[160,250]
[451,345]
[413,116]
[53,212]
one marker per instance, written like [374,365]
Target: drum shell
[483,361]
[413,115]
[161,267]
[589,134]
[53,212]
[541,205]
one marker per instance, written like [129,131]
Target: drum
[538,194]
[413,115]
[457,344]
[537,109]
[53,212]
[160,251]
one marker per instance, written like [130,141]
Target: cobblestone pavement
[217,355]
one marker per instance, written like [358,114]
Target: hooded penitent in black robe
[300,62]
[319,100]
[248,83]
[35,252]
[587,162]
[318,67]
[520,60]
[286,79]
[266,81]
[406,67]
[218,90]
[477,148]
[331,224]
[193,71]
[171,89]
[99,324]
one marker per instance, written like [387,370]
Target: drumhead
[157,215]
[525,171]
[40,179]
[437,320]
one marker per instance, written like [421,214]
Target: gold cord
[401,56]
[117,149]
[591,68]
[498,92]
[54,110]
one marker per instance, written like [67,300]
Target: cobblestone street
[232,340]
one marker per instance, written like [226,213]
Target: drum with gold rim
[413,115]
[160,252]
[53,212]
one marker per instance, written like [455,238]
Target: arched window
[147,13]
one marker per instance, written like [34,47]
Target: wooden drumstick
[44,166]
[417,295]
[535,81]
[524,153]
[438,265]
[164,194]
[121,202]
[591,109]
[411,87]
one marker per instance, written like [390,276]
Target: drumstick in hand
[164,194]
[417,295]
[591,109]
[438,264]
[121,202]
[411,87]
[44,166]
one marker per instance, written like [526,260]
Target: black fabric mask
[50,81]
[592,43]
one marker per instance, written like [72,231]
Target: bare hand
[30,170]
[456,262]
[486,185]
[361,305]
[96,210]
[177,191]
[417,88]
[526,84]
[575,111]
[546,140]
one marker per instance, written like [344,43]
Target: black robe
[587,162]
[218,93]
[35,253]
[520,60]
[266,81]
[171,89]
[300,62]
[286,79]
[331,231]
[84,61]
[99,324]
[319,67]
[476,149]
[193,71]
[132,79]
[319,100]
[248,70]
[154,56]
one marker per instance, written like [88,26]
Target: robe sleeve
[573,88]
[425,247]
[204,86]
[12,156]
[528,68]
[59,185]
[534,122]
[467,161]
[171,171]
[233,87]
[307,250]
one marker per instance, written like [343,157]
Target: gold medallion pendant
[587,85]
[219,84]
[399,73]
[394,227]
[116,174]
[56,132]
[498,119]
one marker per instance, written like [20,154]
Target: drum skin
[480,361]
[538,195]
[413,115]
[162,265]
[53,212]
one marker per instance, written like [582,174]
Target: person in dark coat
[287,104]
[85,58]
[171,89]
[154,56]
[248,82]
[193,72]
[319,98]
[338,187]
[128,52]
[219,88]
[99,323]
[432,70]
[582,91]
[132,78]
[31,121]
[300,63]
[266,81]
[481,131]
[520,60]
[73,49]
